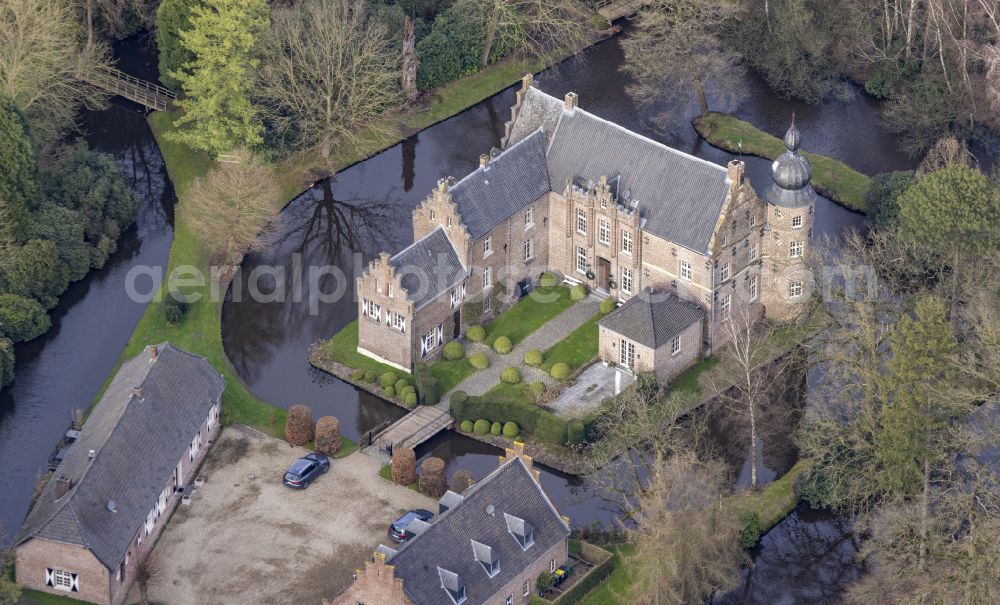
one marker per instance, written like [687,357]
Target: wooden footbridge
[413,429]
[139,91]
[612,10]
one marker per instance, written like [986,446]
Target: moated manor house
[678,239]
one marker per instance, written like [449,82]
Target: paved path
[544,337]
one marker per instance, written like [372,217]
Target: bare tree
[946,152]
[675,51]
[686,546]
[330,73]
[46,64]
[146,572]
[235,207]
[529,27]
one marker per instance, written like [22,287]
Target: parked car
[397,530]
[304,471]
[60,452]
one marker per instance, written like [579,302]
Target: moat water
[366,209]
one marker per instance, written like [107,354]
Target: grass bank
[831,178]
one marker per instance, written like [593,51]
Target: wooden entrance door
[603,273]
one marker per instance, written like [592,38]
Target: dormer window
[487,557]
[522,531]
[452,585]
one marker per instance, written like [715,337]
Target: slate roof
[652,318]
[138,443]
[428,267]
[679,196]
[512,180]
[447,543]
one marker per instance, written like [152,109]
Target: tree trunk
[410,61]
[702,98]
[90,24]
[491,34]
[753,448]
[925,511]
[767,15]
[909,28]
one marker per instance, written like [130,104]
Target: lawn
[577,349]
[35,597]
[617,584]
[773,502]
[528,314]
[343,347]
[831,178]
[386,473]
[450,373]
[687,382]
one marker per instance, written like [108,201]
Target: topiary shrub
[390,392]
[328,435]
[537,388]
[299,425]
[432,479]
[502,345]
[388,379]
[359,375]
[476,334]
[533,358]
[401,384]
[560,371]
[510,430]
[370,376]
[404,466]
[410,400]
[408,390]
[576,433]
[578,292]
[459,397]
[461,481]
[479,361]
[548,280]
[511,375]
[467,426]
[481,427]
[454,351]
[607,305]
[495,429]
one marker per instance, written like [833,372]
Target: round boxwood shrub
[607,305]
[510,430]
[481,427]
[388,379]
[560,371]
[479,361]
[495,429]
[408,389]
[476,333]
[401,384]
[299,425]
[578,292]
[453,351]
[467,426]
[390,392]
[359,375]
[537,388]
[533,358]
[502,345]
[370,376]
[511,375]
[410,399]
[548,280]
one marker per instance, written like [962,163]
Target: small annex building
[109,499]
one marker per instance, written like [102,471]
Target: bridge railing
[119,75]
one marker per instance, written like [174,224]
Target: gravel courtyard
[246,538]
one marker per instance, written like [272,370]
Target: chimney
[736,172]
[63,485]
[571,101]
[137,393]
[153,353]
[484,161]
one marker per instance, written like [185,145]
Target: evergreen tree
[35,270]
[218,115]
[172,18]
[18,188]
[6,362]
[22,319]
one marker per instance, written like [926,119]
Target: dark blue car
[303,471]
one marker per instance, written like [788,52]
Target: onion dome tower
[790,202]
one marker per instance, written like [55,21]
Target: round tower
[786,243]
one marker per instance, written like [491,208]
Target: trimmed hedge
[495,429]
[560,371]
[510,430]
[533,358]
[454,351]
[467,425]
[481,427]
[511,375]
[479,361]
[390,392]
[401,384]
[476,334]
[502,345]
[529,417]
[594,578]
[388,379]
[410,400]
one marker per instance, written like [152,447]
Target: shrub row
[541,423]
[592,580]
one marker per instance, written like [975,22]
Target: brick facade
[666,364]
[373,585]
[789,227]
[377,336]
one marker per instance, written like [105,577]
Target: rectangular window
[487,277]
[752,287]
[753,252]
[581,220]
[372,309]
[726,306]
[626,241]
[725,239]
[433,216]
[753,219]
[527,588]
[626,356]
[552,566]
[389,292]
[626,280]
[529,218]
[581,259]
[795,249]
[62,580]
[449,221]
[795,289]
[686,271]
[796,222]
[397,321]
[488,246]
[724,272]
[675,345]
[604,232]
[510,599]
[529,249]
[378,285]
[429,341]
